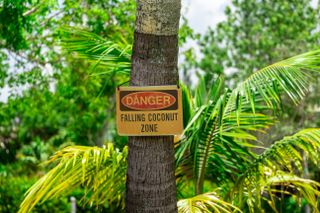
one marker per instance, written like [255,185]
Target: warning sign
[153,110]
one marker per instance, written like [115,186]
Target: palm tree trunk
[151,183]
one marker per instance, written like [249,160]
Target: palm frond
[209,202]
[213,137]
[223,123]
[101,171]
[281,162]
[110,55]
[186,104]
[292,185]
[290,76]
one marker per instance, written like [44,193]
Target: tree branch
[31,11]
[50,17]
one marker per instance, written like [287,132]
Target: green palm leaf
[279,164]
[306,188]
[223,123]
[213,137]
[290,76]
[209,202]
[101,171]
[111,56]
[186,104]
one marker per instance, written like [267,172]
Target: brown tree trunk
[151,185]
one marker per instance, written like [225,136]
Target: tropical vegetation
[251,139]
[216,146]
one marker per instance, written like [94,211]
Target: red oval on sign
[148,100]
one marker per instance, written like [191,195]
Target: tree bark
[151,185]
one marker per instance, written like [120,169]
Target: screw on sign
[154,110]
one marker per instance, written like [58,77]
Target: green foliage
[209,202]
[17,19]
[102,171]
[215,147]
[58,99]
[68,96]
[289,76]
[222,122]
[111,56]
[258,33]
[11,33]
[53,95]
[278,166]
[17,178]
[186,101]
[12,191]
[220,125]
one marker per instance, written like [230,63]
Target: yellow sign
[153,110]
